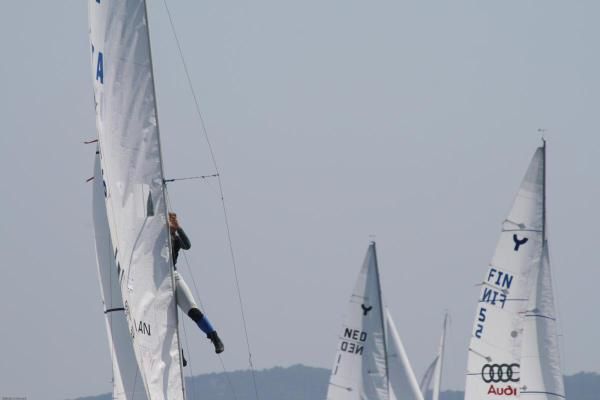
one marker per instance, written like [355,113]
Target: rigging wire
[187,178]
[187,347]
[197,296]
[220,184]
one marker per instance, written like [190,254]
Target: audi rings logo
[500,373]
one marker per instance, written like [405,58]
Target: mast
[544,191]
[382,316]
[164,193]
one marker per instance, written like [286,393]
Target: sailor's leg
[185,300]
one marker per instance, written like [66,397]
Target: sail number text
[495,291]
[353,341]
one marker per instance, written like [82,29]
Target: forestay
[132,173]
[403,383]
[360,368]
[127,382]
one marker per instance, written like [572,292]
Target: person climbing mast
[185,299]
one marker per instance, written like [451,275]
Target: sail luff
[381,316]
[164,194]
[544,219]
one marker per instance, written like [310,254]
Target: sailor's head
[173,223]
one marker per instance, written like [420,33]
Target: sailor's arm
[184,240]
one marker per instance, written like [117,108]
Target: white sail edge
[126,382]
[426,384]
[403,382]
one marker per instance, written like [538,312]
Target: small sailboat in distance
[431,382]
[514,348]
[371,362]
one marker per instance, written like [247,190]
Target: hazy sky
[332,121]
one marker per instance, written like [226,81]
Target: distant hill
[307,383]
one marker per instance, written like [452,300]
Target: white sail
[541,375]
[403,383]
[494,360]
[126,120]
[431,382]
[426,384]
[360,369]
[127,382]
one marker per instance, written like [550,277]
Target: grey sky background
[331,120]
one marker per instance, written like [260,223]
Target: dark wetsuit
[185,300]
[179,240]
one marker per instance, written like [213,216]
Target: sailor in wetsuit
[185,300]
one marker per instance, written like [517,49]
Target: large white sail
[126,120]
[494,360]
[541,375]
[360,369]
[127,382]
[432,379]
[403,383]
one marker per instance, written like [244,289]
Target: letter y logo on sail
[519,243]
[366,309]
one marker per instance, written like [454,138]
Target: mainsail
[127,381]
[432,379]
[370,362]
[512,322]
[128,134]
